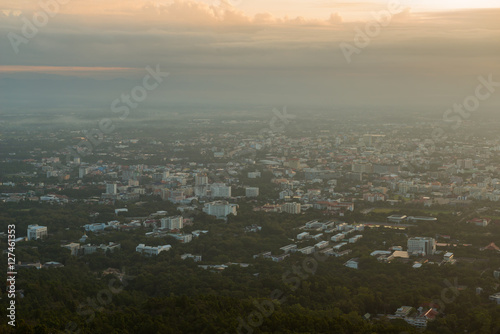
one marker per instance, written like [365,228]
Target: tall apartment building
[220,190]
[82,171]
[172,223]
[111,188]
[293,208]
[201,180]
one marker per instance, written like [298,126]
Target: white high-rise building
[172,223]
[220,190]
[36,232]
[421,245]
[111,188]
[293,208]
[82,171]
[220,209]
[201,180]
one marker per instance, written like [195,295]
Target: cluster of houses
[416,317]
[322,246]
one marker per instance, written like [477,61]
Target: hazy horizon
[245,53]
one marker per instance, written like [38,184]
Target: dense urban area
[267,221]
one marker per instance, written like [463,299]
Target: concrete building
[397,218]
[201,180]
[337,237]
[307,250]
[289,248]
[97,227]
[220,209]
[172,223]
[339,246]
[111,188]
[293,208]
[36,232]
[251,192]
[253,175]
[286,194]
[352,263]
[496,274]
[495,298]
[220,190]
[483,222]
[201,190]
[82,171]
[184,238]
[150,250]
[88,249]
[302,236]
[111,246]
[355,239]
[73,247]
[421,246]
[196,258]
[321,244]
[403,311]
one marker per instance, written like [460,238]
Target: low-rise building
[483,222]
[495,298]
[302,236]
[337,237]
[448,257]
[88,249]
[397,218]
[152,250]
[404,311]
[73,247]
[352,263]
[321,244]
[355,238]
[339,246]
[111,246]
[307,250]
[184,238]
[196,258]
[97,227]
[36,232]
[289,248]
[317,236]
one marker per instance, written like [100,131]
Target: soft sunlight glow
[451,4]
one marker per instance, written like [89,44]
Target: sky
[83,54]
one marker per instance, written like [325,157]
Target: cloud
[71,71]
[219,54]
